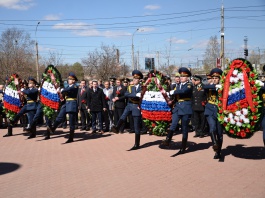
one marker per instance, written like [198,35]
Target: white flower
[235,72]
[246,120]
[240,76]
[245,111]
[225,119]
[232,121]
[239,124]
[233,91]
[230,115]
[238,113]
[242,117]
[236,79]
[236,118]
[231,79]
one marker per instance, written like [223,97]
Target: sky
[176,28]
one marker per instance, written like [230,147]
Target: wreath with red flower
[13,101]
[155,104]
[239,103]
[49,97]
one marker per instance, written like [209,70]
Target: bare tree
[168,70]
[103,64]
[16,53]
[212,52]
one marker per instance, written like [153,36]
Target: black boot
[47,137]
[218,152]
[215,145]
[168,139]
[9,131]
[116,128]
[137,142]
[264,142]
[32,132]
[71,137]
[197,134]
[183,146]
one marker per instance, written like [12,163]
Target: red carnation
[83,101]
[255,103]
[224,124]
[153,124]
[247,70]
[252,82]
[106,98]
[254,96]
[117,92]
[252,75]
[252,123]
[243,134]
[247,130]
[255,117]
[232,131]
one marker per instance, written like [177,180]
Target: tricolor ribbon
[238,64]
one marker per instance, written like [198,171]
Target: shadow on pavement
[6,167]
[88,136]
[254,153]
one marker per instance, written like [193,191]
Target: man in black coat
[119,102]
[82,102]
[96,104]
[198,103]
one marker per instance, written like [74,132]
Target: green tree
[78,70]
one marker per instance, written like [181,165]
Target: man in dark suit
[182,110]
[198,103]
[119,102]
[96,104]
[82,102]
[133,94]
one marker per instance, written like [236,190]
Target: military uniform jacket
[121,103]
[211,108]
[31,97]
[183,94]
[71,98]
[96,100]
[133,100]
[198,98]
[82,99]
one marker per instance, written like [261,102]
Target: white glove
[171,92]
[58,89]
[39,89]
[218,86]
[61,89]
[22,89]
[138,95]
[260,83]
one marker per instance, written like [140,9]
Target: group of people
[116,104]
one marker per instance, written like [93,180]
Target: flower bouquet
[50,99]
[155,105]
[239,103]
[12,100]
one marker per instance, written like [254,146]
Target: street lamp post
[133,49]
[37,54]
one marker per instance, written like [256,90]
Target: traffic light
[246,52]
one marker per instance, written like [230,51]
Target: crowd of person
[114,106]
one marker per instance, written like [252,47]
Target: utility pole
[246,47]
[133,67]
[138,60]
[222,39]
[158,64]
[37,54]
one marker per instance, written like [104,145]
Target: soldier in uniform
[211,110]
[133,94]
[70,107]
[30,108]
[198,103]
[262,91]
[182,110]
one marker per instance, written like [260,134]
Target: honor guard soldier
[262,90]
[133,94]
[198,104]
[70,107]
[31,94]
[211,110]
[182,110]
